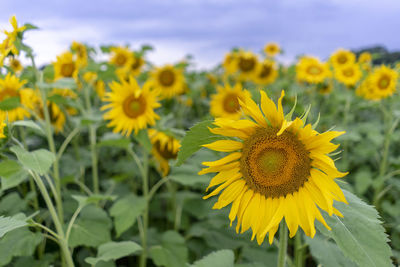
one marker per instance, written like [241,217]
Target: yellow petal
[224,176]
[224,145]
[242,207]
[251,212]
[229,194]
[251,109]
[224,160]
[269,109]
[235,205]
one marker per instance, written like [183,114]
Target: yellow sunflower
[311,70]
[271,49]
[130,108]
[11,87]
[325,87]
[225,103]
[81,53]
[165,148]
[349,74]
[57,116]
[276,169]
[168,81]
[246,64]
[8,44]
[65,66]
[2,125]
[381,83]
[99,85]
[365,58]
[15,64]
[121,56]
[132,69]
[229,62]
[266,72]
[342,58]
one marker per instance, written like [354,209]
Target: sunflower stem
[145,183]
[298,251]
[283,240]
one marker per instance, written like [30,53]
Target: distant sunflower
[247,63]
[81,54]
[57,116]
[12,87]
[8,45]
[266,72]
[130,108]
[65,66]
[365,58]
[271,49]
[311,70]
[121,56]
[381,83]
[225,103]
[229,64]
[325,87]
[15,64]
[168,81]
[2,126]
[165,148]
[349,74]
[342,58]
[276,169]
[133,68]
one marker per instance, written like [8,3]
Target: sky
[207,29]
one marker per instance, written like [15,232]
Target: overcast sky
[207,29]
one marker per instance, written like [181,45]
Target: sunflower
[349,74]
[169,81]
[266,72]
[365,58]
[132,69]
[225,103]
[271,49]
[130,107]
[325,87]
[311,70]
[379,84]
[276,169]
[11,87]
[15,64]
[8,44]
[81,53]
[2,125]
[165,148]
[246,64]
[121,56]
[65,66]
[229,62]
[57,116]
[342,58]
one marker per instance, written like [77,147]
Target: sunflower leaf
[221,258]
[197,136]
[113,251]
[359,234]
[39,160]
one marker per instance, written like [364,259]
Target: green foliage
[29,124]
[113,251]
[12,174]
[39,160]
[220,258]
[171,251]
[8,224]
[10,103]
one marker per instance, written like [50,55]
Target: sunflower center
[314,70]
[67,69]
[342,59]
[167,77]
[15,64]
[265,72]
[136,64]
[134,106]
[247,64]
[231,103]
[384,82]
[348,72]
[8,93]
[274,165]
[164,151]
[121,59]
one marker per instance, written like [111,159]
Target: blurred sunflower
[229,62]
[325,87]
[65,66]
[15,64]
[2,125]
[365,58]
[133,68]
[225,103]
[279,169]
[11,87]
[81,54]
[383,80]
[121,56]
[165,148]
[266,72]
[271,49]
[342,58]
[168,81]
[247,63]
[311,70]
[57,116]
[349,74]
[8,44]
[130,108]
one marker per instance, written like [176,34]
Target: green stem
[283,240]
[145,181]
[298,251]
[345,126]
[60,232]
[93,149]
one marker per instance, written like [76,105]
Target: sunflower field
[109,160]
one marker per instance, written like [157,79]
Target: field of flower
[119,162]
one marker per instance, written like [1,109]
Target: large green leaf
[91,229]
[221,258]
[19,242]
[197,136]
[29,124]
[12,174]
[113,251]
[8,224]
[359,234]
[10,103]
[39,160]
[171,252]
[327,253]
[125,211]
